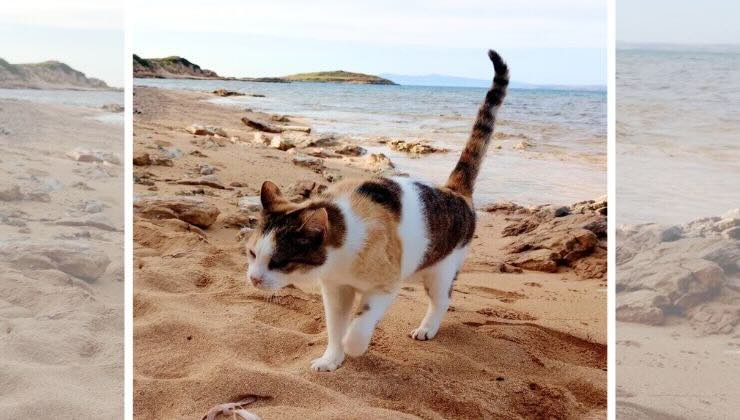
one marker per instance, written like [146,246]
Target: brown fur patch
[450,222]
[298,245]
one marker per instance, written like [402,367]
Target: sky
[85,34]
[544,41]
[678,21]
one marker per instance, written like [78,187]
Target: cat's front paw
[326,363]
[423,333]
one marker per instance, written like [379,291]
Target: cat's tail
[462,178]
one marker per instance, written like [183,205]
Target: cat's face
[289,246]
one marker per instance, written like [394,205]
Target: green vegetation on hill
[338,76]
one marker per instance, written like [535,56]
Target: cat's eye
[252,254]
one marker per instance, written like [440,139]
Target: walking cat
[368,237]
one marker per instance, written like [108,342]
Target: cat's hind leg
[338,302]
[372,308]
[438,283]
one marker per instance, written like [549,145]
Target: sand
[529,345]
[61,281]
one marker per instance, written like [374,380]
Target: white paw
[326,363]
[355,344]
[423,333]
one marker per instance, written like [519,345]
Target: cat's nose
[256,280]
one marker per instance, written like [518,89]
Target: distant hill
[338,76]
[454,81]
[46,75]
[173,67]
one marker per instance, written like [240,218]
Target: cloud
[74,14]
[468,23]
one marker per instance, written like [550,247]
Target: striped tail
[462,178]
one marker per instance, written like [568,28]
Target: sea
[565,130]
[93,99]
[678,133]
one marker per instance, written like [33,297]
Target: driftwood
[262,126]
[271,128]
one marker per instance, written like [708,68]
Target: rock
[206,169]
[73,258]
[561,211]
[250,203]
[417,147]
[14,193]
[112,108]
[314,164]
[200,130]
[281,143]
[307,188]
[378,162]
[191,210]
[537,260]
[93,156]
[523,145]
[716,318]
[350,150]
[319,153]
[93,206]
[142,159]
[732,233]
[642,306]
[237,184]
[261,125]
[240,220]
[325,140]
[225,93]
[280,118]
[261,138]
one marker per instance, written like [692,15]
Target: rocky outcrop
[78,260]
[226,93]
[46,75]
[415,147]
[191,210]
[691,271]
[170,68]
[545,238]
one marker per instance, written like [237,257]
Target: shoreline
[202,336]
[512,151]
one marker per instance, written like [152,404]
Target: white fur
[412,229]
[438,280]
[339,261]
[263,249]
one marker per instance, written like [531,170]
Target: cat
[367,237]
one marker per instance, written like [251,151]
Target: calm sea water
[566,128]
[678,134]
[82,98]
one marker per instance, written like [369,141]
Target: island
[175,67]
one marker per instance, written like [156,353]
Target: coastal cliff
[46,75]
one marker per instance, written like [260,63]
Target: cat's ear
[271,196]
[316,220]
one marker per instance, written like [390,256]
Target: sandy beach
[61,294]
[528,344]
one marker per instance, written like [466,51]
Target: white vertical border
[128,188]
[611,220]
